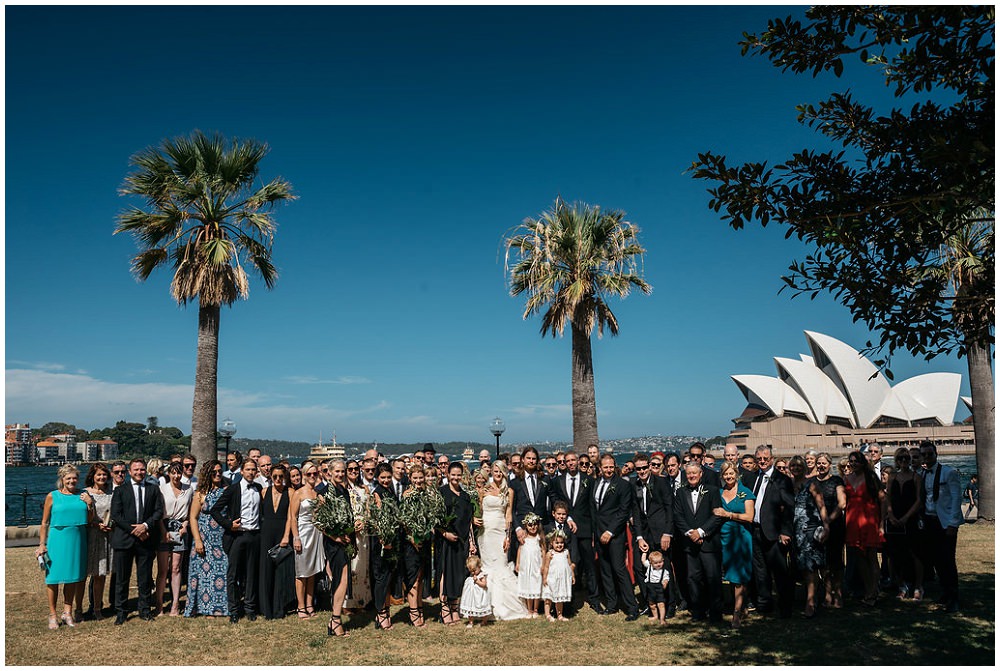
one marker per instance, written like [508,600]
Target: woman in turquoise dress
[63,543]
[206,593]
[737,542]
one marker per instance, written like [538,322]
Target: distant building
[835,398]
[98,450]
[48,450]
[66,446]
[19,447]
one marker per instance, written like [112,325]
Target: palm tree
[568,261]
[965,264]
[207,216]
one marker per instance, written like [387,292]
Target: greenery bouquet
[334,517]
[420,512]
[383,521]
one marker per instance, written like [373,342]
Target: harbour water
[40,480]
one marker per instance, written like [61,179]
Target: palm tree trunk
[983,414]
[584,401]
[204,416]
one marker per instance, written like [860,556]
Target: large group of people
[522,536]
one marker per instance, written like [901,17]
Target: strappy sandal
[446,611]
[336,625]
[67,619]
[310,611]
[382,620]
[416,617]
[53,622]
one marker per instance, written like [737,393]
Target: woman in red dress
[863,517]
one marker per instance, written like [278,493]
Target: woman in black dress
[277,581]
[383,554]
[336,552]
[416,557]
[453,544]
[835,501]
[906,501]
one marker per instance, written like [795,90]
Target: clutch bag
[279,554]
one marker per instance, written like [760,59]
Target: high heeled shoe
[53,622]
[416,617]
[67,619]
[445,611]
[335,625]
[303,613]
[382,620]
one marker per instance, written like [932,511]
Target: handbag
[279,554]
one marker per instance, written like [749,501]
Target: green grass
[893,633]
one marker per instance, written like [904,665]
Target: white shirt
[573,487]
[249,507]
[760,493]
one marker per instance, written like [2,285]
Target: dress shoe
[234,618]
[597,608]
[251,617]
[120,619]
[146,615]
[632,617]
[611,611]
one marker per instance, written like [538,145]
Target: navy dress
[737,542]
[207,573]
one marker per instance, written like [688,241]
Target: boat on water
[321,452]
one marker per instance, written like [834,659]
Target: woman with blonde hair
[65,516]
[497,504]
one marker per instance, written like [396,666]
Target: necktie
[937,482]
[756,484]
[531,489]
[138,503]
[399,490]
[572,490]
[600,494]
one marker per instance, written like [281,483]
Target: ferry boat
[321,452]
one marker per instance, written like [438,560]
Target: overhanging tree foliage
[881,213]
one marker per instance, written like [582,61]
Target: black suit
[710,477]
[128,548]
[242,547]
[612,515]
[523,506]
[704,560]
[652,517]
[583,541]
[776,510]
[678,594]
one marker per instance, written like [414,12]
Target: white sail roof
[930,395]
[857,377]
[819,391]
[773,394]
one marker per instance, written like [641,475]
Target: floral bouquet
[420,512]
[333,516]
[477,506]
[382,521]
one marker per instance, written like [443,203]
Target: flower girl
[475,603]
[557,576]
[529,563]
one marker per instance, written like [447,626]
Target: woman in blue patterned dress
[207,569]
[809,518]
[737,543]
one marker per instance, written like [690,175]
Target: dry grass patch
[894,633]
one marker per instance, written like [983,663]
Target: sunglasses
[353,468]
[118,472]
[561,461]
[656,464]
[311,474]
[216,471]
[642,468]
[188,465]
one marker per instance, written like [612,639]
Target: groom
[611,506]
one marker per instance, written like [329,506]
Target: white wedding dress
[501,581]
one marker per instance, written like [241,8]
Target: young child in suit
[657,580]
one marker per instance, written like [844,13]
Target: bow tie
[693,488]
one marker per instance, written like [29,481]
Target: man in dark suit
[531,495]
[574,488]
[611,506]
[697,526]
[238,512]
[652,519]
[136,511]
[772,535]
[708,475]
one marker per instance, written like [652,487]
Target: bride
[497,504]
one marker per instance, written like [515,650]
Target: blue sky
[415,139]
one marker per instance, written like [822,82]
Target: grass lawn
[892,633]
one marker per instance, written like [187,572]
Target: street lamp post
[497,428]
[227,431]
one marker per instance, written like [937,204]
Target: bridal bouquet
[420,512]
[334,517]
[477,506]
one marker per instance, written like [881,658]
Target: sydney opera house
[832,399]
